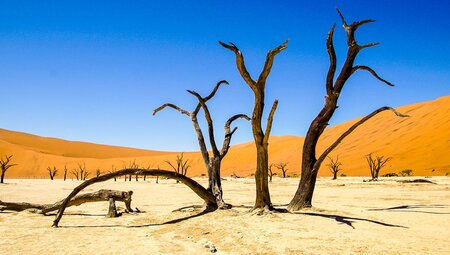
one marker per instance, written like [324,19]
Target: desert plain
[349,216]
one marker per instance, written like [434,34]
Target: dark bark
[193,185]
[260,137]
[211,162]
[112,211]
[310,163]
[101,195]
[5,165]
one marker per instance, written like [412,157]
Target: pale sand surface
[341,221]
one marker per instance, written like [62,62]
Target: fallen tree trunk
[204,194]
[101,195]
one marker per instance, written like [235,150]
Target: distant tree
[52,172]
[81,173]
[5,164]
[282,166]
[181,165]
[271,173]
[113,170]
[65,172]
[376,164]
[406,172]
[334,166]
[98,172]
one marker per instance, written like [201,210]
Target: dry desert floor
[349,217]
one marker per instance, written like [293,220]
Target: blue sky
[94,70]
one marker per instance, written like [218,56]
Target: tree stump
[112,211]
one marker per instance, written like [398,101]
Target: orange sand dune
[420,142]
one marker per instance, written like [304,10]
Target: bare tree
[375,165]
[113,170]
[65,172]
[81,173]
[271,173]
[52,172]
[98,172]
[334,166]
[181,165]
[5,164]
[282,166]
[212,162]
[260,136]
[76,173]
[310,162]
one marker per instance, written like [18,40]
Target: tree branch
[350,130]
[240,63]
[172,106]
[229,133]
[269,62]
[208,120]
[269,121]
[370,70]
[332,55]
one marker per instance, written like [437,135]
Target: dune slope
[420,142]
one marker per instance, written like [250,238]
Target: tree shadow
[410,208]
[174,221]
[348,220]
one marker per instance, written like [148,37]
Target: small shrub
[343,175]
[406,172]
[447,174]
[203,174]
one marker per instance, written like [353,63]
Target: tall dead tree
[52,172]
[212,162]
[98,172]
[375,165]
[334,166]
[181,165]
[283,167]
[310,162]
[260,136]
[5,164]
[113,170]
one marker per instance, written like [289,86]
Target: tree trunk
[112,212]
[209,199]
[2,177]
[335,175]
[101,195]
[214,182]
[262,185]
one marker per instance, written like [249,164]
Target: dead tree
[334,166]
[260,136]
[65,172]
[113,170]
[98,172]
[212,162]
[204,194]
[375,165]
[5,164]
[282,166]
[181,165]
[52,172]
[81,173]
[310,162]
[101,195]
[76,174]
[271,173]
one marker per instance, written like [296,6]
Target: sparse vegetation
[81,173]
[376,164]
[5,164]
[271,173]
[390,175]
[343,175]
[334,166]
[65,172]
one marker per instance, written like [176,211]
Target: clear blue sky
[95,70]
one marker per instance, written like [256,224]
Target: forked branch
[269,121]
[229,133]
[269,61]
[240,63]
[370,70]
[351,129]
